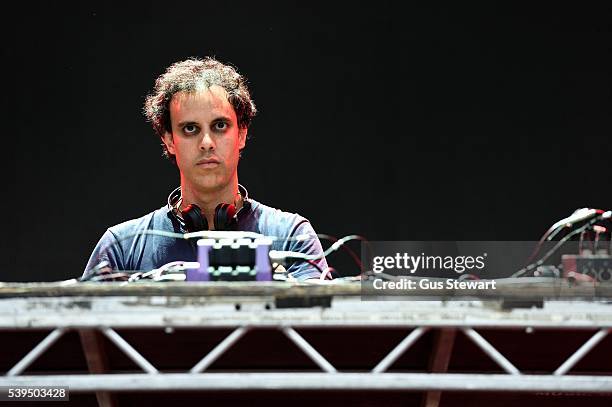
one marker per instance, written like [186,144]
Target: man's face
[205,139]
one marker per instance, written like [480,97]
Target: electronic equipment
[594,258]
[232,256]
[596,266]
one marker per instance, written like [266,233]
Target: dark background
[395,122]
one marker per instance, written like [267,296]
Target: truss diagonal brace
[407,342]
[220,349]
[308,349]
[581,352]
[36,352]
[129,350]
[491,351]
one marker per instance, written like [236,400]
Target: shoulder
[157,219]
[285,226]
[125,245]
[275,222]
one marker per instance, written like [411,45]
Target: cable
[578,216]
[329,271]
[172,267]
[111,276]
[532,266]
[346,248]
[283,255]
[334,239]
[88,275]
[388,277]
[468,277]
[190,235]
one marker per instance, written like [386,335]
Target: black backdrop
[459,122]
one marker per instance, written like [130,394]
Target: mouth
[208,163]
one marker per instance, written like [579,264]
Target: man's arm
[107,250]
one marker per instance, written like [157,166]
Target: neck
[208,199]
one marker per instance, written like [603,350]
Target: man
[201,110]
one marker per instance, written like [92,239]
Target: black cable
[346,248]
[557,227]
[533,266]
[282,255]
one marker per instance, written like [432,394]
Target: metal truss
[104,315]
[376,379]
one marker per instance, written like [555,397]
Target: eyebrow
[216,119]
[186,123]
[220,118]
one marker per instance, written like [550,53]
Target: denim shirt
[125,247]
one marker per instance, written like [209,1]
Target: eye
[190,129]
[220,126]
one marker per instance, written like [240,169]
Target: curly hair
[189,76]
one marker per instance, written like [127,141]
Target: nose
[207,143]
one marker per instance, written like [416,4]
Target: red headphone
[192,219]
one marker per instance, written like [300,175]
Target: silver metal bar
[220,349]
[36,352]
[308,349]
[129,350]
[388,360]
[318,381]
[491,351]
[145,312]
[581,352]
[165,320]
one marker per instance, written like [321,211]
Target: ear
[242,135]
[169,142]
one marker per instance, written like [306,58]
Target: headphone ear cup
[193,219]
[225,217]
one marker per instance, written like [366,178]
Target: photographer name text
[427,284]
